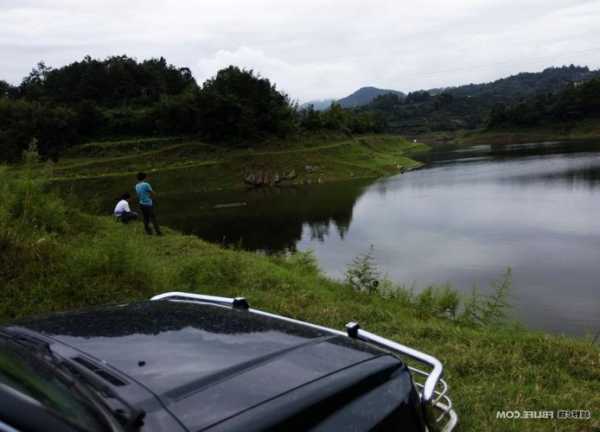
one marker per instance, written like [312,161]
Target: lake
[463,220]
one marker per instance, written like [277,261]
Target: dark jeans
[125,217]
[150,217]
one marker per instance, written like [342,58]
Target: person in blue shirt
[145,196]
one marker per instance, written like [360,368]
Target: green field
[196,166]
[584,130]
[56,258]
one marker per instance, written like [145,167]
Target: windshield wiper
[132,418]
[37,344]
[94,390]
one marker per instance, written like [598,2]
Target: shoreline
[344,159]
[465,138]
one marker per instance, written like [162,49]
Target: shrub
[434,301]
[438,301]
[492,309]
[362,274]
[304,263]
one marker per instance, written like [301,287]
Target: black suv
[189,362]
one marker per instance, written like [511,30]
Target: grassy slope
[584,130]
[172,161]
[54,258]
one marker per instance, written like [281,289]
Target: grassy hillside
[583,130]
[55,258]
[185,164]
[369,155]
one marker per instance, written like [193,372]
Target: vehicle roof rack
[433,390]
[236,303]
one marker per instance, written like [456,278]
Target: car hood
[205,362]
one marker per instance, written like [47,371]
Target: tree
[115,81]
[418,96]
[237,105]
[575,102]
[336,118]
[5,89]
[386,102]
[310,119]
[32,86]
[178,115]
[443,100]
[55,128]
[498,115]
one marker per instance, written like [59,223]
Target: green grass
[119,147]
[588,129]
[211,168]
[55,258]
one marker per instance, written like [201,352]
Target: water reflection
[270,220]
[465,223]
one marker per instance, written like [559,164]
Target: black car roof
[220,360]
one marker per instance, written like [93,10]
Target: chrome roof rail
[236,303]
[437,406]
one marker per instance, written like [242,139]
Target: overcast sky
[312,49]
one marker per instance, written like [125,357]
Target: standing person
[145,194]
[122,210]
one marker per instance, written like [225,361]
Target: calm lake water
[463,220]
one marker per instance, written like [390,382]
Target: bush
[54,128]
[492,309]
[362,274]
[434,301]
[30,220]
[438,301]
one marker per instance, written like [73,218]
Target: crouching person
[123,212]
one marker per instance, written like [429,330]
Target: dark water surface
[463,220]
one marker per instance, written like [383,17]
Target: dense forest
[578,101]
[470,106]
[119,96]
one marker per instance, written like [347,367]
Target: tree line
[119,97]
[579,101]
[477,105]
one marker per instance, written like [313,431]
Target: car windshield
[23,371]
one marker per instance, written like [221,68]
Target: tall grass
[51,256]
[441,301]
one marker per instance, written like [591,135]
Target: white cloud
[302,78]
[314,48]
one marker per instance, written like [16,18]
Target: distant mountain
[362,96]
[469,106]
[365,96]
[524,84]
